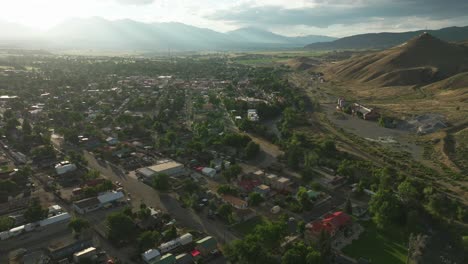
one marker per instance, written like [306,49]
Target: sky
[288,17]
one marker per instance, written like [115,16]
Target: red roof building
[248,185]
[331,224]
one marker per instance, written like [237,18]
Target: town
[187,160]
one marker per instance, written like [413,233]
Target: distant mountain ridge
[387,40]
[99,33]
[251,34]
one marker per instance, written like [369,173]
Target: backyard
[383,247]
[248,226]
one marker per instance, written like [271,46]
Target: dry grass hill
[420,61]
[302,63]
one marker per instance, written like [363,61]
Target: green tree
[78,225]
[301,227]
[147,240]
[303,197]
[170,233]
[255,199]
[251,150]
[300,253]
[225,212]
[227,189]
[348,207]
[385,208]
[232,172]
[293,155]
[26,127]
[35,212]
[324,247]
[161,182]
[307,174]
[120,227]
[408,192]
[6,223]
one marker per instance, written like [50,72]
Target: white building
[210,172]
[88,253]
[64,167]
[109,197]
[169,167]
[151,255]
[252,115]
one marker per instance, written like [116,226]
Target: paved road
[166,202]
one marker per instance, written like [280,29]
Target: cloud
[326,13]
[136,2]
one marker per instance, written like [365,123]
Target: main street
[142,193]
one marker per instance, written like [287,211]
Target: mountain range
[99,33]
[387,40]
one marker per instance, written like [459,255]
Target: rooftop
[234,200]
[165,166]
[88,202]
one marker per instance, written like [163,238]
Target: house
[86,205]
[65,247]
[110,197]
[166,259]
[206,245]
[184,258]
[248,185]
[263,189]
[313,195]
[365,112]
[112,141]
[282,183]
[210,172]
[331,224]
[60,218]
[150,256]
[235,202]
[64,167]
[252,115]
[55,209]
[271,179]
[259,174]
[341,103]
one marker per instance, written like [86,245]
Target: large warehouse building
[168,167]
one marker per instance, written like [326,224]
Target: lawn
[379,247]
[248,226]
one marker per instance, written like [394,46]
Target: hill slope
[387,40]
[422,60]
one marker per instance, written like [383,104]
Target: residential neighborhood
[198,161]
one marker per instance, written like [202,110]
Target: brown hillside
[457,81]
[302,63]
[422,60]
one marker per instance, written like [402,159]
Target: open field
[378,246]
[268,58]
